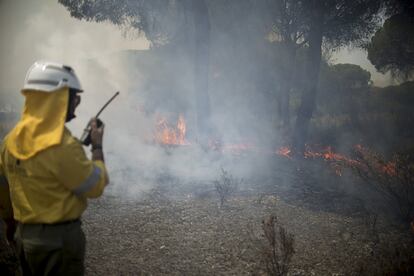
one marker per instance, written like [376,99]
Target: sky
[43,29]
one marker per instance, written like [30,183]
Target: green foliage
[350,76]
[343,21]
[380,117]
[392,47]
[397,99]
[348,21]
[341,88]
[152,17]
[393,7]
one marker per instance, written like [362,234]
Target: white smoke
[103,60]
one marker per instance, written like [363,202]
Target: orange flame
[181,127]
[388,168]
[336,159]
[284,151]
[166,134]
[169,135]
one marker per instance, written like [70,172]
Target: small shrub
[226,186]
[393,179]
[279,247]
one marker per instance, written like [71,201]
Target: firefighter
[46,177]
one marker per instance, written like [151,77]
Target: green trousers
[57,249]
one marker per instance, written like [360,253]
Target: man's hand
[96,140]
[96,132]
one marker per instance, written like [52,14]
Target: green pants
[57,249]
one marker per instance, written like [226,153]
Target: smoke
[35,30]
[152,83]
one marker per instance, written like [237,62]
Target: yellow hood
[41,125]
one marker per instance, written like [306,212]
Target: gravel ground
[184,231]
[193,236]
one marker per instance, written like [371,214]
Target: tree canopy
[239,33]
[351,75]
[392,47]
[151,17]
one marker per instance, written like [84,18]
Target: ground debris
[197,237]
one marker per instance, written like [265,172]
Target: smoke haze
[150,85]
[44,30]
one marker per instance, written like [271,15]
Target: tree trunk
[201,68]
[290,50]
[308,98]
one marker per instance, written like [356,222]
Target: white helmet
[50,76]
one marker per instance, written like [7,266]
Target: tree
[288,29]
[295,23]
[392,47]
[164,22]
[350,76]
[392,7]
[336,23]
[201,71]
[341,89]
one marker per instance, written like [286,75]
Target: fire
[388,168]
[166,134]
[339,161]
[329,155]
[284,151]
[181,127]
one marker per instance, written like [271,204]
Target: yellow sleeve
[76,172]
[6,211]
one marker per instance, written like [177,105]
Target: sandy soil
[192,235]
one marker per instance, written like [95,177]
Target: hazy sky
[43,29]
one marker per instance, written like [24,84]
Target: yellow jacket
[44,171]
[53,185]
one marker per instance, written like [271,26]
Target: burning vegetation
[167,134]
[253,119]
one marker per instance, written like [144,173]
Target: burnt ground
[178,230]
[190,234]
